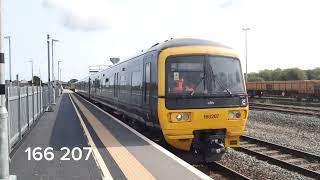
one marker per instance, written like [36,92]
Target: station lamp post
[59,78]
[50,109]
[53,77]
[9,41]
[246,49]
[4,127]
[31,61]
[40,77]
[60,74]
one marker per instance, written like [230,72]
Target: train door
[147,83]
[147,90]
[116,89]
[116,85]
[89,87]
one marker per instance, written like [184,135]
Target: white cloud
[283,33]
[83,14]
[225,3]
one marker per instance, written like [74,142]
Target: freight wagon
[309,89]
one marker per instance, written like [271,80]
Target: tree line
[285,74]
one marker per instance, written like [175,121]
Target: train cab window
[224,73]
[147,69]
[185,74]
[203,75]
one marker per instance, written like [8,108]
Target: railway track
[286,101]
[225,171]
[286,109]
[298,161]
[216,167]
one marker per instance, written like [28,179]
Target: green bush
[285,75]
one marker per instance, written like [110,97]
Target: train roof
[177,43]
[169,44]
[185,42]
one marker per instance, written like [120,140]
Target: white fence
[25,105]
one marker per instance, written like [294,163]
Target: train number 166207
[75,153]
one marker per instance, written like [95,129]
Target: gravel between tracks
[256,169]
[295,131]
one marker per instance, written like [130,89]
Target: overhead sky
[283,33]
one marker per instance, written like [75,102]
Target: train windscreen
[204,75]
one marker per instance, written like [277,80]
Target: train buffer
[80,141]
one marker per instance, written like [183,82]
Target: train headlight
[234,115]
[243,102]
[186,116]
[180,117]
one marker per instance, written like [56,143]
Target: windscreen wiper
[197,85]
[220,84]
[215,79]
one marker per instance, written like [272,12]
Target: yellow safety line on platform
[96,155]
[128,164]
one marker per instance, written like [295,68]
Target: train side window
[123,80]
[102,83]
[122,83]
[147,83]
[111,82]
[107,82]
[97,83]
[136,82]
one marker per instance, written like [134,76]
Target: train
[189,91]
[307,89]
[72,87]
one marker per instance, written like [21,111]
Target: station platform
[118,151]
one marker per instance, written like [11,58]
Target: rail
[225,171]
[285,101]
[213,166]
[286,109]
[294,160]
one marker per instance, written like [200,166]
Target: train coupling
[210,143]
[214,149]
[215,146]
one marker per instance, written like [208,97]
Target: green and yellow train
[191,91]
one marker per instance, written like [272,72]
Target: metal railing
[25,105]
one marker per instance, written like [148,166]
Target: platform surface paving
[118,152]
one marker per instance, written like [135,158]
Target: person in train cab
[179,86]
[183,86]
[189,87]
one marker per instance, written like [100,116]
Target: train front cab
[194,123]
